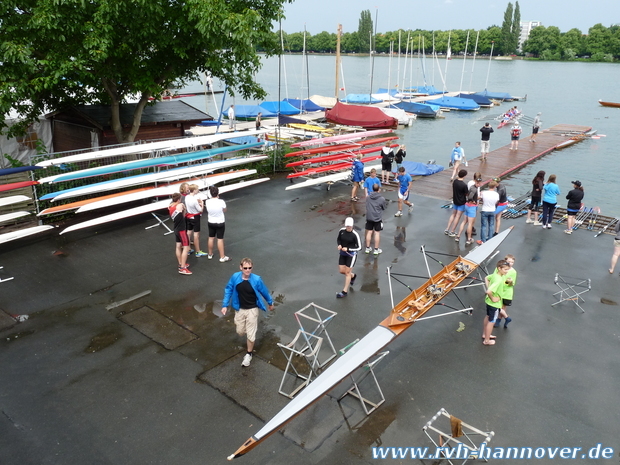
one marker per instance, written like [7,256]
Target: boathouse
[88,126]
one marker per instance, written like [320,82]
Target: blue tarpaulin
[420,169]
[280,107]
[304,105]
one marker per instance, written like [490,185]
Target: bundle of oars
[517,207]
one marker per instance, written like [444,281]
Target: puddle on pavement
[608,302]
[102,340]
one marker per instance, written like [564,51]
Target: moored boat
[609,104]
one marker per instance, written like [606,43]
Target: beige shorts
[246,322]
[616,243]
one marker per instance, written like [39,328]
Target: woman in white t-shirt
[490,198]
[215,208]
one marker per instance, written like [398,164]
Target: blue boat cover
[427,110]
[19,169]
[284,120]
[430,90]
[479,99]
[392,92]
[242,140]
[250,111]
[496,95]
[420,169]
[279,107]
[304,105]
[360,98]
[455,103]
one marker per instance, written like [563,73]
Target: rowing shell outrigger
[402,316]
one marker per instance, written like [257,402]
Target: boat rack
[571,290]
[5,279]
[465,449]
[313,345]
[161,221]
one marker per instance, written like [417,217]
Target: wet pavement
[84,380]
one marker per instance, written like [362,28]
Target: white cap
[348,222]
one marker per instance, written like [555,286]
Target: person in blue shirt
[404,181]
[371,181]
[456,158]
[550,200]
[243,293]
[357,176]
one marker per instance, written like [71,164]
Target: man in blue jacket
[243,293]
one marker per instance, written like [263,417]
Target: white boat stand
[359,375]
[463,449]
[306,346]
[160,222]
[571,290]
[5,279]
[319,319]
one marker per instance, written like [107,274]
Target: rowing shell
[330,178]
[12,236]
[13,199]
[402,316]
[152,207]
[340,147]
[17,185]
[162,176]
[12,216]
[165,190]
[335,156]
[333,167]
[19,169]
[145,148]
[342,137]
[147,163]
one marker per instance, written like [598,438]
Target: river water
[565,92]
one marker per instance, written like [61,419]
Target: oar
[592,222]
[583,218]
[612,222]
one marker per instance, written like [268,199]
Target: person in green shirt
[493,299]
[508,292]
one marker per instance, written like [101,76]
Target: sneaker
[508,320]
[544,226]
[498,322]
[341,294]
[377,251]
[246,360]
[200,253]
[452,234]
[210,256]
[495,234]
[353,199]
[529,221]
[186,266]
[479,242]
[191,251]
[568,231]
[368,249]
[537,223]
[549,226]
[469,242]
[446,232]
[411,208]
[184,271]
[353,278]
[224,259]
[398,213]
[457,239]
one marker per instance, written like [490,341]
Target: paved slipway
[87,379]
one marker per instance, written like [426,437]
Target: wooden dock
[500,162]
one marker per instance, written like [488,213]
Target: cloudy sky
[325,15]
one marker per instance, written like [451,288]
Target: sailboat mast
[464,59]
[338,33]
[486,85]
[474,60]
[372,58]
[398,70]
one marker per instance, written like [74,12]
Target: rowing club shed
[88,126]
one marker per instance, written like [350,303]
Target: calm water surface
[563,92]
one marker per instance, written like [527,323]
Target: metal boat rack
[160,222]
[5,279]
[571,290]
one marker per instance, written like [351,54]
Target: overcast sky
[325,15]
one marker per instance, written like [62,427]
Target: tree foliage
[364,32]
[57,54]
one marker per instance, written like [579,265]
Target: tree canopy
[364,32]
[56,54]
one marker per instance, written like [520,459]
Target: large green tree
[56,53]
[364,32]
[516,29]
[506,39]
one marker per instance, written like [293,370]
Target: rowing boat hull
[12,216]
[335,156]
[17,185]
[330,178]
[609,104]
[13,199]
[340,147]
[341,138]
[12,236]
[20,169]
[152,207]
[370,344]
[334,167]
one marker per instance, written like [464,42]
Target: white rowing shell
[13,199]
[12,216]
[166,190]
[154,146]
[162,176]
[150,208]
[8,237]
[329,178]
[342,137]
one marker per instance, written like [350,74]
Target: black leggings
[548,209]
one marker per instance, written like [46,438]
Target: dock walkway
[500,162]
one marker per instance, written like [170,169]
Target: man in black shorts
[177,213]
[348,245]
[387,157]
[375,204]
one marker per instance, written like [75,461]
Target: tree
[516,28]
[506,38]
[364,32]
[56,54]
